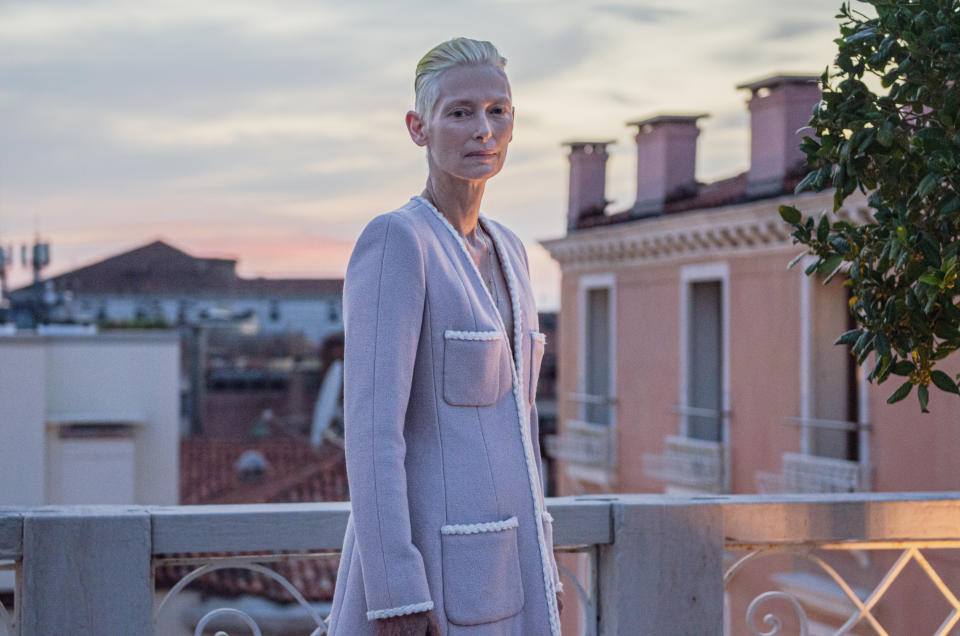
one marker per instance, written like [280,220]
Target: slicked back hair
[447,55]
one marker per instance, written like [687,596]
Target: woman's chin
[480,172]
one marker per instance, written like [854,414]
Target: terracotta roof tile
[295,472]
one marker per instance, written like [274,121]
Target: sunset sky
[272,131]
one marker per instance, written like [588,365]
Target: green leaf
[923,394]
[830,264]
[879,368]
[930,279]
[863,342]
[951,206]
[790,214]
[881,345]
[928,183]
[847,338]
[904,367]
[807,181]
[823,229]
[900,393]
[840,245]
[885,135]
[795,260]
[864,34]
[944,382]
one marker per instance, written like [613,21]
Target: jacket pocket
[481,572]
[538,342]
[473,367]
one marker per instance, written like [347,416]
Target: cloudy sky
[270,131]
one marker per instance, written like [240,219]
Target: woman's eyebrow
[458,102]
[470,102]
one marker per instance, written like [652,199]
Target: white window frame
[587,283]
[807,381]
[705,273]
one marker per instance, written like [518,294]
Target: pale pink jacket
[441,429]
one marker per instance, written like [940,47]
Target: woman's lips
[482,155]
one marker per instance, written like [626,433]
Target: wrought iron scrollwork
[243,616]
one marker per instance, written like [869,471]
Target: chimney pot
[666,160]
[780,106]
[588,176]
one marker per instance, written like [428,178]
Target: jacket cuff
[413,608]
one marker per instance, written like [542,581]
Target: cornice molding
[748,227]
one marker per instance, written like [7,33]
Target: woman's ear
[416,128]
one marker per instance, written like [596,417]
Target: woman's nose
[484,129]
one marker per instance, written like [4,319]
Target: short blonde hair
[446,55]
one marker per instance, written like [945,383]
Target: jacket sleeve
[384,291]
[535,438]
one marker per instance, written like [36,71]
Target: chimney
[588,176]
[779,106]
[666,160]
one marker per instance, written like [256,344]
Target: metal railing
[656,564]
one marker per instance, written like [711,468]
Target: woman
[448,532]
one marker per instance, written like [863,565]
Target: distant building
[88,419]
[694,362]
[158,283]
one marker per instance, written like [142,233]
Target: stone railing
[809,474]
[691,463]
[659,564]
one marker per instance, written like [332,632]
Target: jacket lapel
[477,281]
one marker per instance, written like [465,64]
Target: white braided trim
[539,336]
[522,414]
[476,528]
[413,608]
[452,334]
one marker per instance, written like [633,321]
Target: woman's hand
[559,602]
[419,624]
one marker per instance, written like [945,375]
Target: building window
[831,406]
[705,361]
[587,437]
[596,375]
[704,366]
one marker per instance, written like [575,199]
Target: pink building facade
[692,361]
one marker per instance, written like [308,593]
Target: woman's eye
[459,113]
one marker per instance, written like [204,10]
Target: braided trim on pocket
[474,528]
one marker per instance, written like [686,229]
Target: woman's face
[467,133]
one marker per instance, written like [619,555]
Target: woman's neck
[456,199]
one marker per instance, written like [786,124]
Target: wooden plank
[86,572]
[242,528]
[11,534]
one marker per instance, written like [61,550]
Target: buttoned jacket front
[441,436]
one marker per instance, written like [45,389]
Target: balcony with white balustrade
[644,564]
